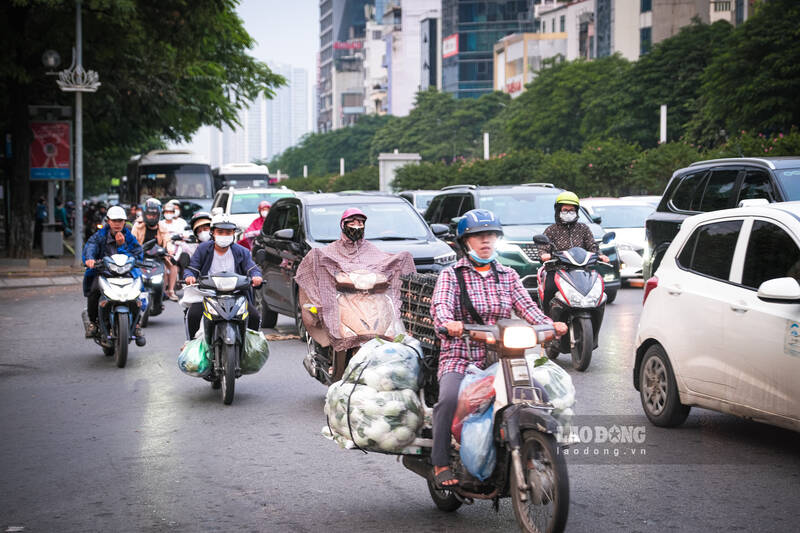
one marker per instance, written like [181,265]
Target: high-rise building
[469,31]
[341,71]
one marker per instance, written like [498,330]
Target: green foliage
[749,144]
[651,171]
[361,179]
[606,168]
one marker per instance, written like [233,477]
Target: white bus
[241,175]
[171,174]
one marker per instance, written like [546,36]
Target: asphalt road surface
[86,446]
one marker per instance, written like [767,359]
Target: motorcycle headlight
[519,337]
[242,309]
[208,305]
[157,279]
[576,299]
[224,283]
[609,277]
[445,259]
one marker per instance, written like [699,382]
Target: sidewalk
[38,271]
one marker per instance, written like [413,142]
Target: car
[295,225]
[713,185]
[720,326]
[625,217]
[420,199]
[524,211]
[242,203]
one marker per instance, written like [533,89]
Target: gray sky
[285,32]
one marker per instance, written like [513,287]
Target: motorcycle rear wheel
[547,505]
[121,342]
[444,499]
[584,343]
[229,355]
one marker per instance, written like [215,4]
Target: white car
[625,217]
[720,327]
[242,204]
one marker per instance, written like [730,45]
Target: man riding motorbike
[254,228]
[566,233]
[221,254]
[152,227]
[113,238]
[476,290]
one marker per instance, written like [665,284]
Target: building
[469,31]
[340,84]
[402,22]
[430,52]
[375,76]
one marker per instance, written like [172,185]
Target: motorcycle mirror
[260,255]
[541,239]
[176,238]
[608,237]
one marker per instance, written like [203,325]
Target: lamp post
[76,79]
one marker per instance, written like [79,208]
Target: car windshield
[622,215]
[244,203]
[424,200]
[790,181]
[385,221]
[171,181]
[524,208]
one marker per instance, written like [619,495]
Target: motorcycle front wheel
[546,506]
[145,316]
[121,330]
[229,354]
[584,343]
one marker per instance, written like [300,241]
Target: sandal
[442,477]
[172,296]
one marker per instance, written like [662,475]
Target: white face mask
[203,236]
[169,216]
[223,241]
[569,216]
[264,214]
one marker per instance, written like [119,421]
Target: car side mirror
[440,230]
[780,290]
[541,239]
[597,219]
[260,255]
[608,237]
[286,234]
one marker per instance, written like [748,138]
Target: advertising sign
[348,45]
[51,151]
[450,46]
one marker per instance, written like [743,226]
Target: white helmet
[116,213]
[222,221]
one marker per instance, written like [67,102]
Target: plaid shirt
[492,300]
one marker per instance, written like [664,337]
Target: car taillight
[651,284]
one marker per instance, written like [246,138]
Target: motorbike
[153,280]
[119,307]
[224,297]
[579,302]
[530,466]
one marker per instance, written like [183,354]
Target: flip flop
[445,475]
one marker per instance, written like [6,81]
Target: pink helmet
[263,204]
[350,213]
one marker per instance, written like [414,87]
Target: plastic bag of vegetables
[194,359]
[256,352]
[477,447]
[385,366]
[385,421]
[474,394]
[557,383]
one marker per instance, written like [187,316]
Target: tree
[166,68]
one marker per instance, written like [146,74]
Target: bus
[171,174]
[240,175]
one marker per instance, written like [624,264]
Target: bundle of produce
[256,352]
[557,384]
[195,359]
[386,366]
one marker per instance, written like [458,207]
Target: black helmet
[152,211]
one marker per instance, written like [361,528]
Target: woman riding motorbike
[255,227]
[477,289]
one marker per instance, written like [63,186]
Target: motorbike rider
[566,233]
[221,254]
[254,228]
[201,228]
[477,290]
[113,238]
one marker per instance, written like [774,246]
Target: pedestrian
[40,216]
[61,218]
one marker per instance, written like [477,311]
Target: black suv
[297,224]
[713,185]
[524,211]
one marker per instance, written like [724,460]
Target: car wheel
[659,391]
[611,295]
[268,317]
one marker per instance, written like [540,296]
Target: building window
[645,40]
[562,23]
[646,5]
[553,25]
[722,6]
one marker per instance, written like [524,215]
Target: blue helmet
[477,221]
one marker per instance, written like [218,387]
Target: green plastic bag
[256,352]
[195,359]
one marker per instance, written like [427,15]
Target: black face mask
[354,234]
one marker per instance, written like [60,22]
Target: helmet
[350,213]
[263,204]
[222,221]
[174,203]
[152,211]
[568,198]
[116,213]
[478,221]
[198,219]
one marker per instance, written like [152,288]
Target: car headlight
[609,277]
[445,259]
[504,246]
[519,337]
[157,279]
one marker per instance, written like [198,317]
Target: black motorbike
[224,324]
[119,306]
[153,279]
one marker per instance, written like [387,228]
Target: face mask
[169,216]
[354,234]
[223,241]
[203,236]
[480,260]
[264,214]
[569,216]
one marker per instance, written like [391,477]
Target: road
[86,446]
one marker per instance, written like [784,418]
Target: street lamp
[76,79]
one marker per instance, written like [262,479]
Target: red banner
[51,151]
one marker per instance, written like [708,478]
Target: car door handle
[675,290]
[739,307]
